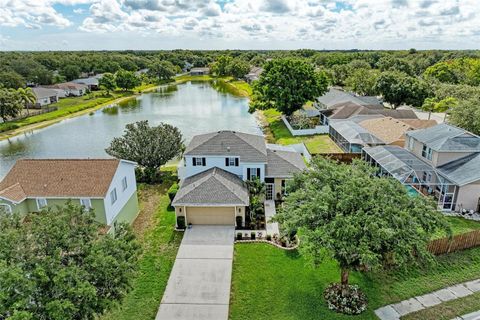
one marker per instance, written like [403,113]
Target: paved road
[199,285]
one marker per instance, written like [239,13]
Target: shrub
[239,236]
[269,237]
[172,191]
[252,235]
[345,299]
[239,220]
[181,222]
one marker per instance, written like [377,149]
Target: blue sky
[238,24]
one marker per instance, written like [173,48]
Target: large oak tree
[364,222]
[287,84]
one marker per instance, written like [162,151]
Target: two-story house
[215,167]
[107,186]
[442,161]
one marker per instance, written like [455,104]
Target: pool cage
[352,137]
[412,171]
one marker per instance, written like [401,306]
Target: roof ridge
[223,182]
[237,134]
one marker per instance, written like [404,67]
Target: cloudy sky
[239,24]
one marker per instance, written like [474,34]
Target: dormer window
[231,162]
[427,152]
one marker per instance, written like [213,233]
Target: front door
[269,191]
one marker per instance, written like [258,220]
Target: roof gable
[447,138]
[212,187]
[283,163]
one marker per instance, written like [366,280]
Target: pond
[194,107]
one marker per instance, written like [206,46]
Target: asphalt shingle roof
[58,178]
[462,171]
[249,147]
[335,96]
[283,164]
[447,138]
[212,187]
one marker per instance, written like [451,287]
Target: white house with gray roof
[442,161]
[215,167]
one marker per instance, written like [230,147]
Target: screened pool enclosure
[412,171]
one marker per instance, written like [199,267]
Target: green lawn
[281,135]
[448,310]
[460,225]
[269,283]
[155,229]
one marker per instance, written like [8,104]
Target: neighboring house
[91,82]
[346,110]
[45,96]
[254,74]
[352,137]
[442,161]
[141,71]
[336,96]
[106,185]
[71,88]
[199,71]
[392,131]
[215,167]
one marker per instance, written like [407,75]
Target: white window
[5,208]
[86,203]
[199,161]
[124,184]
[253,173]
[41,203]
[113,195]
[231,162]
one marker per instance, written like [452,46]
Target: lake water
[194,108]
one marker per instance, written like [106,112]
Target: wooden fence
[457,243]
[341,157]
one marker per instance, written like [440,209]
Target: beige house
[215,167]
[442,161]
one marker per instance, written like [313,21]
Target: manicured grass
[448,310]
[281,135]
[236,87]
[155,229]
[269,283]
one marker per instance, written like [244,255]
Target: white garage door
[211,215]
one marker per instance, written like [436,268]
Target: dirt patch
[149,200]
[264,126]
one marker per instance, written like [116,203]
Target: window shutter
[248,173]
[226,162]
[204,162]
[258,173]
[236,162]
[193,162]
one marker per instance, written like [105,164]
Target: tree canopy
[466,114]
[287,84]
[56,265]
[107,82]
[162,70]
[126,79]
[10,103]
[362,221]
[398,88]
[150,147]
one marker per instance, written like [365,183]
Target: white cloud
[327,24]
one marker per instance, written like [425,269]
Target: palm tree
[27,96]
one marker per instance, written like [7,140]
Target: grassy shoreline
[69,108]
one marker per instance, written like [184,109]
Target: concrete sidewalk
[396,310]
[270,211]
[199,285]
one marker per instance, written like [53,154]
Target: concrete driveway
[199,285]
